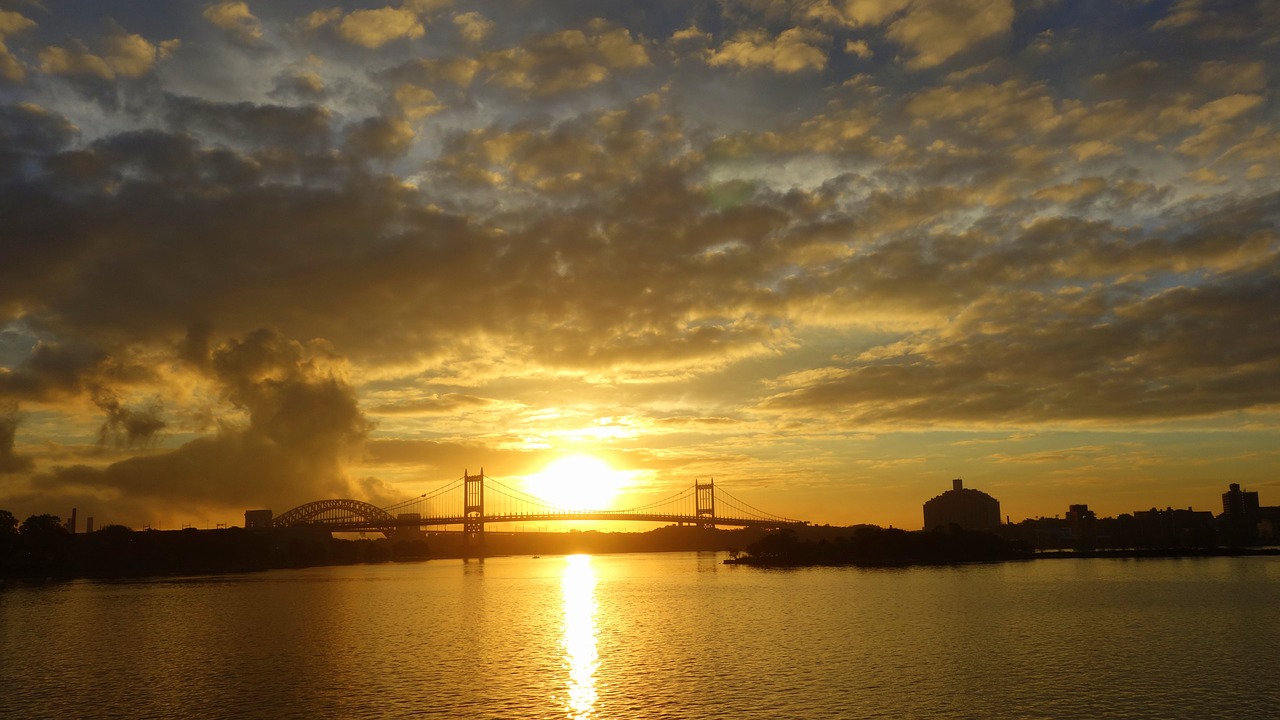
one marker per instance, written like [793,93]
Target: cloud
[377,27]
[416,102]
[456,71]
[690,34]
[11,462]
[124,54]
[859,48]
[317,19]
[860,13]
[128,427]
[1005,111]
[234,17]
[52,370]
[601,150]
[302,129]
[794,50]
[307,85]
[12,23]
[1095,149]
[1219,20]
[380,138]
[74,60]
[29,132]
[473,26]
[447,403]
[937,31]
[557,62]
[541,65]
[1234,77]
[303,424]
[933,32]
[1083,354]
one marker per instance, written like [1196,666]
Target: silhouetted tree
[8,536]
[42,526]
[45,545]
[782,547]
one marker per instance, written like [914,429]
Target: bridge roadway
[383,524]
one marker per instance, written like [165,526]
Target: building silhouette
[1083,526]
[1174,528]
[1240,514]
[968,508]
[257,519]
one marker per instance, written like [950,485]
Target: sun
[577,482]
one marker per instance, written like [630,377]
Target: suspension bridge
[474,501]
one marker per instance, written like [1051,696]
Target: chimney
[71,523]
[957,484]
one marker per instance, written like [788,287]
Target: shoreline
[1127,554]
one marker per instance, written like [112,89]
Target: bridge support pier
[473,512]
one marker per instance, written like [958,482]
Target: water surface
[654,636]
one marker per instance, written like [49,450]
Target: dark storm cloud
[181,230]
[126,427]
[303,423]
[52,370]
[301,129]
[28,133]
[10,461]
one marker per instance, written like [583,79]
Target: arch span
[337,513]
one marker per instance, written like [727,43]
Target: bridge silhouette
[473,501]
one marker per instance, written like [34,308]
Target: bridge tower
[706,498]
[473,509]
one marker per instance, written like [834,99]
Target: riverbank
[878,547]
[117,552]
[1156,553]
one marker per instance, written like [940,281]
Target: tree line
[42,546]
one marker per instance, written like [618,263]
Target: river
[674,635]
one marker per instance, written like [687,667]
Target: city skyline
[832,254]
[262,517]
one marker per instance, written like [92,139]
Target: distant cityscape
[1243,521]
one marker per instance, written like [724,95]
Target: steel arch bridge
[338,513]
[462,502]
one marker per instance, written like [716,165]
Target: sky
[830,253]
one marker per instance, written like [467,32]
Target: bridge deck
[379,525]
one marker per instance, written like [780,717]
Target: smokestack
[957,484]
[71,523]
[88,524]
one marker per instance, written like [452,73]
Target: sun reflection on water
[579,642]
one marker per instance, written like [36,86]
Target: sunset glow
[578,482]
[832,253]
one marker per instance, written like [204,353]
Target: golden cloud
[473,26]
[936,31]
[125,55]
[375,28]
[794,50]
[234,17]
